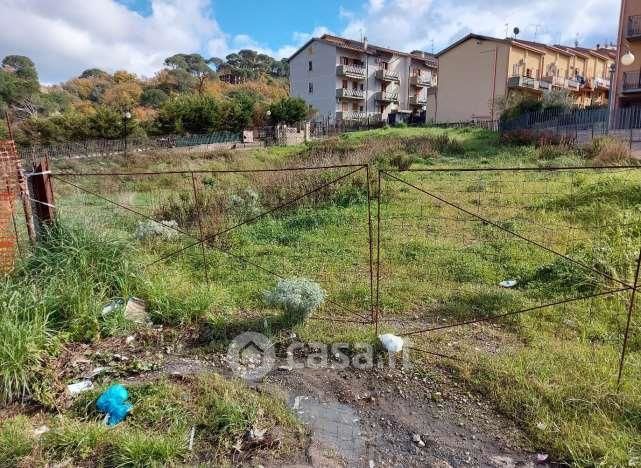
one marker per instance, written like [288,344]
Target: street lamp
[126,116]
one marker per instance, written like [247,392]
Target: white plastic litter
[508,283]
[112,306]
[79,387]
[391,343]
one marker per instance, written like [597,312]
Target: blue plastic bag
[114,402]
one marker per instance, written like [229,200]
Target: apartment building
[347,80]
[477,70]
[627,88]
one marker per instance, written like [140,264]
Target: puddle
[334,426]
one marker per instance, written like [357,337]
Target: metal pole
[378,253]
[371,248]
[200,226]
[629,320]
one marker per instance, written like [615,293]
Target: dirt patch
[395,418]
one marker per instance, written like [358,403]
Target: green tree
[95,73]
[153,97]
[18,80]
[194,64]
[109,123]
[289,110]
[188,113]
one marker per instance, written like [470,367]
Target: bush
[608,151]
[526,136]
[245,205]
[297,297]
[289,110]
[401,161]
[153,229]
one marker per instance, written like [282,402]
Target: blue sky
[65,37]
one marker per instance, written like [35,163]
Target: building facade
[478,70]
[627,88]
[346,80]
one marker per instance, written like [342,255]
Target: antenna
[536,30]
[516,32]
[507,28]
[432,45]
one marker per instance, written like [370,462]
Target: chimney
[365,43]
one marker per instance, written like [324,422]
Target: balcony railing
[358,116]
[350,93]
[601,83]
[572,84]
[632,82]
[352,71]
[420,81]
[417,101]
[384,96]
[385,75]
[523,82]
[634,27]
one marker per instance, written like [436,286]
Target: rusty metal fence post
[626,335]
[41,193]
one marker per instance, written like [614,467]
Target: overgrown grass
[158,431]
[553,368]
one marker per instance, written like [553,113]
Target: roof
[358,46]
[536,47]
[478,37]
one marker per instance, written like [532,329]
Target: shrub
[549,152]
[401,161]
[245,205]
[608,151]
[289,110]
[297,297]
[153,229]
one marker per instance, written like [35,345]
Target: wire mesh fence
[465,256]
[239,230]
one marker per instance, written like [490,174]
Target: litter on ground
[113,402]
[391,343]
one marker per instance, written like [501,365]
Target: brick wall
[8,193]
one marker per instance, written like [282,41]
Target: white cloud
[416,24]
[65,37]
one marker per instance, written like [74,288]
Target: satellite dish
[516,31]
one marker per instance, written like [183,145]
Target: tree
[122,96]
[153,97]
[109,123]
[22,66]
[188,113]
[194,64]
[289,110]
[95,73]
[18,80]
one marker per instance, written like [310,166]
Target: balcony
[384,96]
[524,82]
[358,116]
[601,83]
[633,33]
[351,71]
[421,81]
[417,101]
[385,75]
[632,82]
[545,85]
[344,93]
[431,90]
[572,84]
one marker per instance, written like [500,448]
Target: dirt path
[391,418]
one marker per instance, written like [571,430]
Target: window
[311,88]
[311,66]
[344,61]
[344,84]
[362,87]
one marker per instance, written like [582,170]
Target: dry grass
[609,151]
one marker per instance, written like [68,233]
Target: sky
[65,37]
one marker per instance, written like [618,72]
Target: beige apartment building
[477,70]
[347,80]
[627,88]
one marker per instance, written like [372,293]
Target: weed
[15,441]
[297,297]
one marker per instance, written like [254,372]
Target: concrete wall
[322,76]
[628,8]
[522,60]
[466,80]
